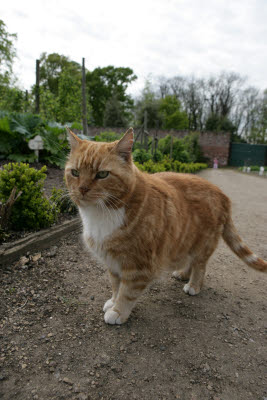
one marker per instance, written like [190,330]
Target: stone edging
[10,252]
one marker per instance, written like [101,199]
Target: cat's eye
[102,174]
[75,173]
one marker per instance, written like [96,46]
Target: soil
[55,344]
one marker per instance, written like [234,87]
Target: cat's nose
[83,189]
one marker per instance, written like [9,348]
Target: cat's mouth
[85,199]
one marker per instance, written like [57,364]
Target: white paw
[189,290]
[112,317]
[177,275]
[108,304]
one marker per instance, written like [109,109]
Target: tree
[60,88]
[219,124]
[172,116]
[7,50]
[150,103]
[114,114]
[11,97]
[51,67]
[257,133]
[69,96]
[102,83]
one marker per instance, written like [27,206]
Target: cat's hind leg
[198,265]
[183,274]
[198,269]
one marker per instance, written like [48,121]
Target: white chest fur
[99,224]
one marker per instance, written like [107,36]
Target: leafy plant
[31,210]
[76,125]
[107,136]
[16,130]
[170,165]
[141,156]
[56,145]
[185,150]
[60,197]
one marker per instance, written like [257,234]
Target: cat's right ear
[74,140]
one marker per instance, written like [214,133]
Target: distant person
[215,163]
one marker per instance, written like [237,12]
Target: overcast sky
[158,37]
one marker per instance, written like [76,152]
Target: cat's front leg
[129,292]
[115,284]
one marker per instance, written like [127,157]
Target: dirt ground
[55,344]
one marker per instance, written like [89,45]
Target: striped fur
[142,225]
[235,243]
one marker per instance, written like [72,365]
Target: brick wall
[213,144]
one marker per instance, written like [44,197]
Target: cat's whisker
[117,199]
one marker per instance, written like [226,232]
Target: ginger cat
[141,225]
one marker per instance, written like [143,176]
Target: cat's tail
[235,243]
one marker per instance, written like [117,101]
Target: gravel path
[55,345]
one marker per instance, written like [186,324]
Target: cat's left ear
[125,145]
[73,139]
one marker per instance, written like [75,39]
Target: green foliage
[150,104]
[141,156]
[107,136]
[16,130]
[172,116]
[216,123]
[69,96]
[32,210]
[49,104]
[76,125]
[56,145]
[63,202]
[12,98]
[7,50]
[51,68]
[185,150]
[170,165]
[157,156]
[102,84]
[114,114]
[255,168]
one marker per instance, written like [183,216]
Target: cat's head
[100,172]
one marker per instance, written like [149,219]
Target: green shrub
[76,125]
[32,210]
[254,168]
[141,156]
[185,150]
[60,197]
[56,145]
[157,156]
[107,137]
[170,165]
[16,129]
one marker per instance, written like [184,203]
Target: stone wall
[213,144]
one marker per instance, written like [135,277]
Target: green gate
[247,154]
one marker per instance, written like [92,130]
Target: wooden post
[37,88]
[85,131]
[145,131]
[156,135]
[26,101]
[171,145]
